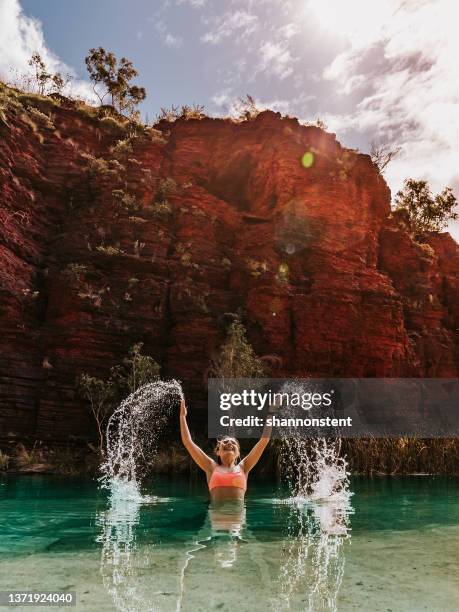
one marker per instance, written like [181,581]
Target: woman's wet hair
[222,439]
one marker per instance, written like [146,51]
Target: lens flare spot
[276,307]
[308,159]
[283,271]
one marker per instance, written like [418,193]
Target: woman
[227,480]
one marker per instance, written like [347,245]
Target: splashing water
[132,438]
[132,435]
[313,467]
[318,525]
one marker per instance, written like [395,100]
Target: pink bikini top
[228,479]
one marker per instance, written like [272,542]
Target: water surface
[394,546]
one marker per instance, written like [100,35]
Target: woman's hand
[183,410]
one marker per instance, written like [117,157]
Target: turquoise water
[393,546]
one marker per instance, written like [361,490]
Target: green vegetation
[166,187]
[246,108]
[4,460]
[97,166]
[75,272]
[45,81]
[236,357]
[41,118]
[422,211]
[88,292]
[122,147]
[160,205]
[137,369]
[113,78]
[27,457]
[186,257]
[181,112]
[126,201]
[160,208]
[402,455]
[100,395]
[104,396]
[113,124]
[110,250]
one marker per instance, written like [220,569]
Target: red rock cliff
[154,239]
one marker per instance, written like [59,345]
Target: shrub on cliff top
[112,77]
[44,80]
[423,211]
[246,108]
[382,154]
[40,79]
[181,112]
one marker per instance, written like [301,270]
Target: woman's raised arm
[197,454]
[253,457]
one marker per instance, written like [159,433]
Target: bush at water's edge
[396,456]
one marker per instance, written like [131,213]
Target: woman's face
[228,449]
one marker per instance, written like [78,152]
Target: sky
[374,71]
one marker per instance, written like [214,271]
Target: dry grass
[28,457]
[402,455]
[370,456]
[4,460]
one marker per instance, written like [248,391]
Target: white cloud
[166,37]
[276,59]
[410,96]
[197,4]
[222,98]
[20,36]
[173,41]
[232,105]
[239,23]
[288,30]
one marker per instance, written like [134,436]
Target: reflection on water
[162,553]
[312,559]
[308,572]
[120,556]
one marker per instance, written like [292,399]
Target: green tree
[105,395]
[113,78]
[425,212]
[101,396]
[137,369]
[236,358]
